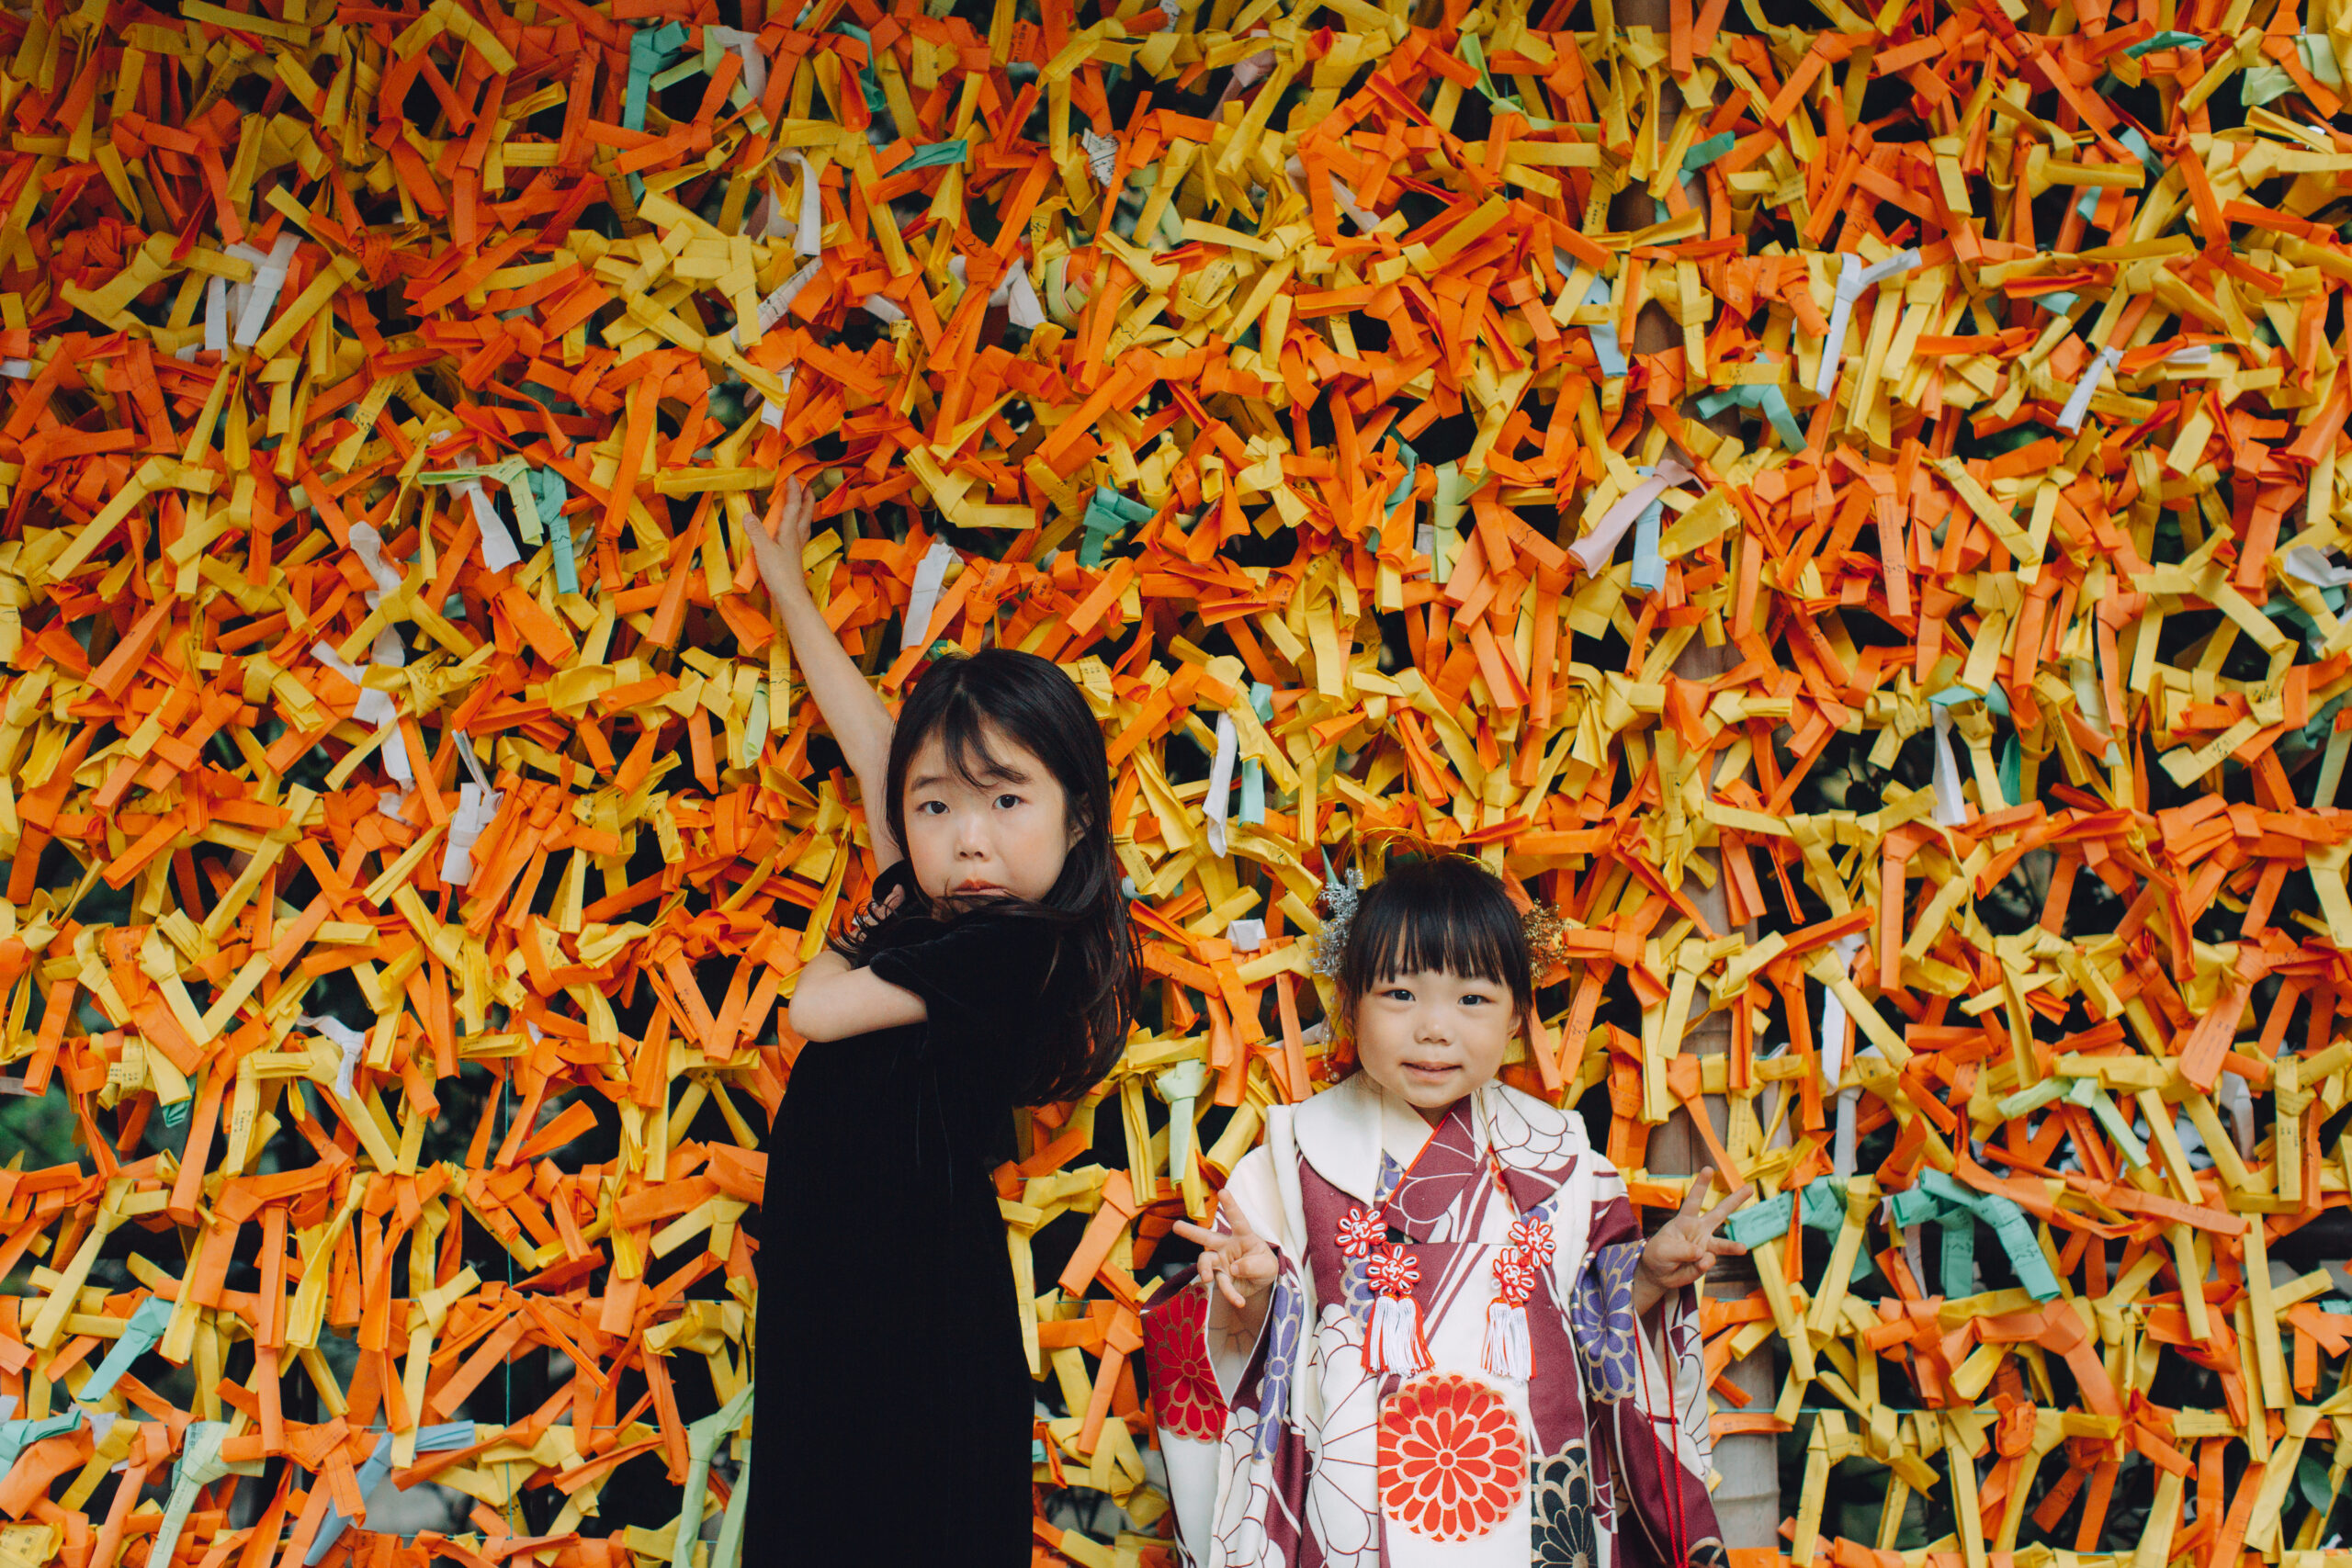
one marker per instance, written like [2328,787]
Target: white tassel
[1507,1353]
[1397,1342]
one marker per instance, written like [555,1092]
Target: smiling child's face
[1432,1036]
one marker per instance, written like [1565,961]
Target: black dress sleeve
[989,984]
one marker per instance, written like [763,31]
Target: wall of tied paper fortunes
[413,822]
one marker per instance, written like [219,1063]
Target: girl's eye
[1399,993]
[1002,799]
[924,808]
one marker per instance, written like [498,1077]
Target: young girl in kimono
[1428,1330]
[991,968]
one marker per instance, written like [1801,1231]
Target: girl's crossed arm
[832,1000]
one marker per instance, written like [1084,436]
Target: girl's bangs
[1447,939]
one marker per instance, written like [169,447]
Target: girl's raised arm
[859,722]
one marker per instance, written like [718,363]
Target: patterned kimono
[1293,1451]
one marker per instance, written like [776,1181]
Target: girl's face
[1432,1036]
[970,842]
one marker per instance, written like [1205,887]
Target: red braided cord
[1670,1479]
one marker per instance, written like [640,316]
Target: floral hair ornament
[1338,900]
[1547,938]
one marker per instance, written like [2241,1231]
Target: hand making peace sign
[1686,1246]
[1240,1263]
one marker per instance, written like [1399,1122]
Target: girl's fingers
[1721,1212]
[1694,1195]
[1191,1232]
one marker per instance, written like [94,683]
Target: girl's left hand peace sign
[1686,1246]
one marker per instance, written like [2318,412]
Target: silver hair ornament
[1340,896]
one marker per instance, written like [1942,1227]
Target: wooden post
[1747,1502]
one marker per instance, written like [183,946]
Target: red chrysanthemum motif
[1452,1459]
[1394,1272]
[1531,1237]
[1185,1396]
[1359,1232]
[1514,1281]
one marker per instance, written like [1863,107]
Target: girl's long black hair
[1442,912]
[1032,703]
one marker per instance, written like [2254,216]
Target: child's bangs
[963,735]
[1468,941]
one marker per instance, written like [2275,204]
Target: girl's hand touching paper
[1686,1246]
[779,553]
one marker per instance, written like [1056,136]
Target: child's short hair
[1446,912]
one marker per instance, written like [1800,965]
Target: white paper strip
[1854,280]
[772,413]
[1246,936]
[375,706]
[2078,401]
[2307,563]
[779,299]
[216,316]
[478,806]
[347,1040]
[1951,806]
[1832,1043]
[369,545]
[498,552]
[747,48]
[2240,1105]
[1102,156]
[238,293]
[808,237]
[269,280]
[1221,782]
[1021,301]
[924,599]
[1014,292]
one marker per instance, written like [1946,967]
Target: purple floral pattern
[1285,1327]
[1601,1311]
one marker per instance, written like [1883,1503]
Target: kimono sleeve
[1252,1194]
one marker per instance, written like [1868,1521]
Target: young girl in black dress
[991,968]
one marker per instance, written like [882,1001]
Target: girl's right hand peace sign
[1686,1246]
[1237,1263]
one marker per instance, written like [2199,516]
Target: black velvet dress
[892,1414]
